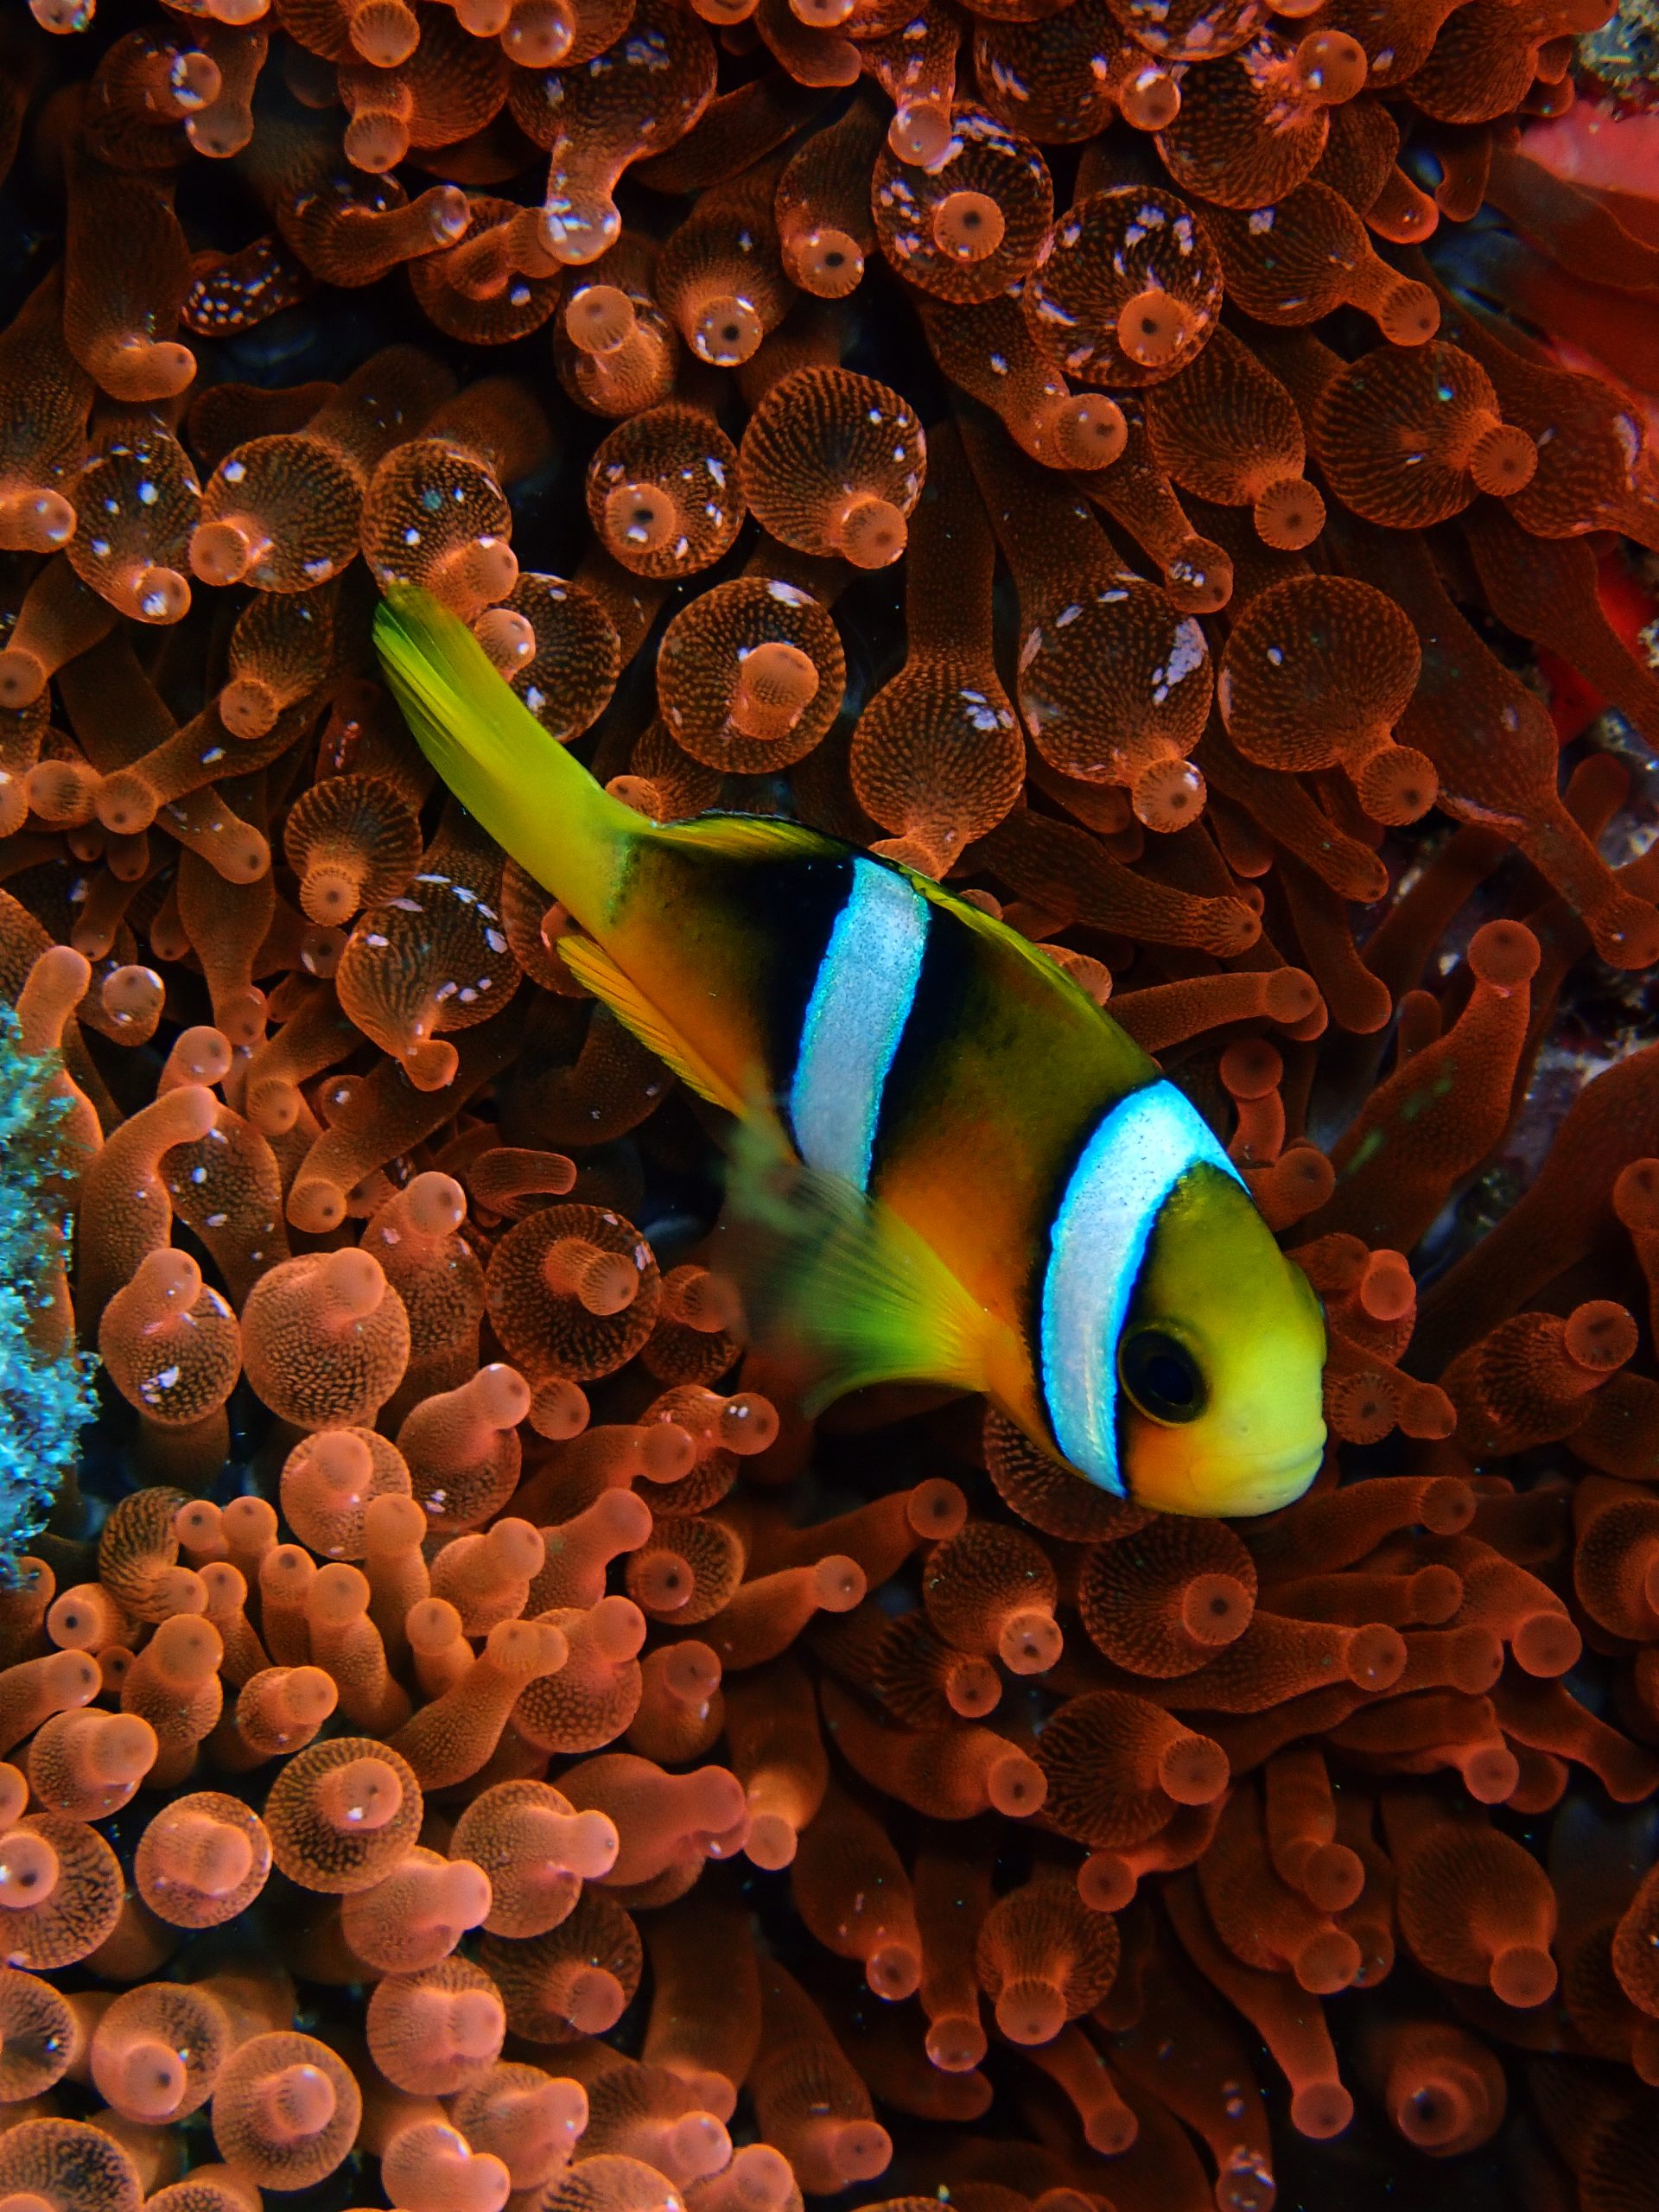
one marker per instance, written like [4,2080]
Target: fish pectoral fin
[593,967]
[841,1286]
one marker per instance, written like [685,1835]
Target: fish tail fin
[845,1292]
[531,795]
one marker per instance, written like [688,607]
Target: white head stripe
[1130,1167]
[861,1002]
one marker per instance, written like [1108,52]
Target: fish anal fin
[593,967]
[847,1292]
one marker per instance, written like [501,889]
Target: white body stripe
[1130,1167]
[865,988]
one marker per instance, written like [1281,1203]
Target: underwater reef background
[1185,472]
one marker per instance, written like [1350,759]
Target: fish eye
[1160,1376]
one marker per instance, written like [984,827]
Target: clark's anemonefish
[966,1173]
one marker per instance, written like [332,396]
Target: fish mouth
[1261,1485]
[1229,1485]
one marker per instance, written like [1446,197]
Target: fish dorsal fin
[757,836]
[593,968]
[752,836]
[842,1286]
[995,931]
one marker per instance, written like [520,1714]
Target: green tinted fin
[592,966]
[838,1283]
[751,837]
[531,795]
[999,933]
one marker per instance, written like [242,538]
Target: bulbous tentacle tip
[385,32]
[430,1063]
[1215,1609]
[1154,326]
[920,134]
[1320,2110]
[1030,2012]
[1504,460]
[22,678]
[1090,431]
[142,369]
[37,521]
[968,225]
[375,143]
[1626,932]
[1016,1785]
[1397,784]
[870,533]
[838,1583]
[507,636]
[1377,1656]
[1409,314]
[1030,1642]
[223,552]
[956,2042]
[578,236]
[726,333]
[777,682]
[1289,515]
[1329,1962]
[640,518]
[1546,1644]
[63,18]
[1199,576]
[1523,1976]
[1168,794]
[1636,1195]
[1332,65]
[825,261]
[1504,955]
[1600,1335]
[539,39]
[1149,98]
[599,318]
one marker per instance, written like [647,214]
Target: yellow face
[1219,1360]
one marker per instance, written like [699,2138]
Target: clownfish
[968,1174]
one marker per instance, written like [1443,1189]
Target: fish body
[995,1188]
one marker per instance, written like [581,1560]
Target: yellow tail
[533,797]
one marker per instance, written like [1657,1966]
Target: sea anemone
[1184,475]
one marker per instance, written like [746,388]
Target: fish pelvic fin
[847,1293]
[530,794]
[592,966]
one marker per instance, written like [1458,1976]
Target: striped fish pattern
[1116,1172]
[1006,1195]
